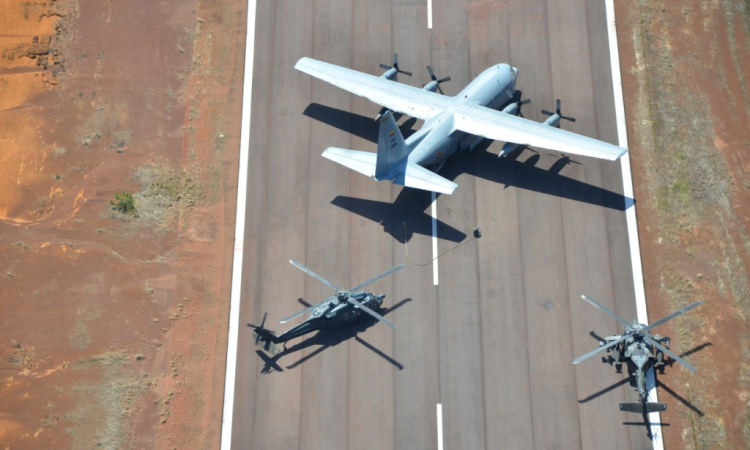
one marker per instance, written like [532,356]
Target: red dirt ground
[112,332]
[694,54]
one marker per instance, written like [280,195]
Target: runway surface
[493,341]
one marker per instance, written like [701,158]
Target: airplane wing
[488,123]
[397,97]
[469,117]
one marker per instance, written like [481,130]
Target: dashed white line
[239,233]
[440,426]
[429,14]
[627,182]
[433,212]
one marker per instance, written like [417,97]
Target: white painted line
[434,240]
[429,14]
[440,425]
[627,182]
[239,233]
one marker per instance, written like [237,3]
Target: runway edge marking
[627,184]
[239,233]
[440,426]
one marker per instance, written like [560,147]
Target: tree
[123,202]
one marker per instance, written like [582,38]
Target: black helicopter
[346,307]
[638,345]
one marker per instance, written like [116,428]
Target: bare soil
[112,323]
[684,67]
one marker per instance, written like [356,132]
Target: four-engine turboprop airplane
[452,124]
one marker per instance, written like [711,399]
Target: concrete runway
[493,342]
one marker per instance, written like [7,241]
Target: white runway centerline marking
[440,426]
[239,233]
[433,212]
[627,187]
[429,14]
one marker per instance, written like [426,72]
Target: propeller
[374,279]
[435,83]
[262,323]
[521,103]
[341,295]
[640,332]
[669,352]
[395,66]
[287,319]
[372,313]
[514,108]
[557,111]
[606,310]
[600,349]
[302,267]
[674,314]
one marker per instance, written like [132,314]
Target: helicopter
[347,306]
[638,345]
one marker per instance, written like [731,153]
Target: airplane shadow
[409,207]
[483,164]
[525,175]
[358,125]
[330,338]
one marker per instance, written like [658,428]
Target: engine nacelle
[511,109]
[431,86]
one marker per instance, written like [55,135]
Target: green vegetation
[123,202]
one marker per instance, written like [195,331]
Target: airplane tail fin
[416,176]
[638,407]
[392,148]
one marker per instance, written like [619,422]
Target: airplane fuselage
[438,139]
[333,314]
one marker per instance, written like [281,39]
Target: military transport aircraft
[638,345]
[346,307]
[452,124]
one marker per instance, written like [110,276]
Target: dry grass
[690,187]
[165,194]
[102,415]
[80,339]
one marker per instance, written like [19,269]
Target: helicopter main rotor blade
[675,314]
[302,267]
[600,349]
[604,308]
[287,319]
[669,352]
[372,313]
[374,279]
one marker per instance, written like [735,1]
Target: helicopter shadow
[670,362]
[325,339]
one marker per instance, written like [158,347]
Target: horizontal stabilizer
[415,176]
[362,162]
[638,407]
[266,345]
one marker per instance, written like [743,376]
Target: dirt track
[685,66]
[111,325]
